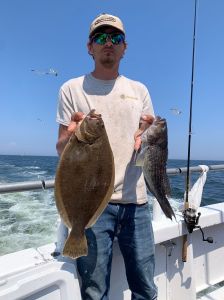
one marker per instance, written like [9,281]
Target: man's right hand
[65,132]
[76,119]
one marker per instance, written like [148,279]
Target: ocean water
[29,219]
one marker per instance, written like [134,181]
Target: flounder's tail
[76,244]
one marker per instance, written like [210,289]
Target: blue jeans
[132,225]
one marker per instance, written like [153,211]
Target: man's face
[107,54]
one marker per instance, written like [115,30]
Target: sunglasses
[101,38]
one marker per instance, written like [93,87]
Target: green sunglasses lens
[117,39]
[101,38]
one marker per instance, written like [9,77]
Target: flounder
[84,181]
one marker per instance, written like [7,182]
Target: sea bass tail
[75,245]
[166,208]
[162,199]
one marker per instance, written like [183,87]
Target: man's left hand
[145,122]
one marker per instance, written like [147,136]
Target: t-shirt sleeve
[65,106]
[147,103]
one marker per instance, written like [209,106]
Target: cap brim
[105,25]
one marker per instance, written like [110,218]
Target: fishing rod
[191,105]
[189,214]
[186,212]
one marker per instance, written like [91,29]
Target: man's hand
[147,119]
[76,119]
[65,132]
[145,122]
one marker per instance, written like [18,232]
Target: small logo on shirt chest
[128,97]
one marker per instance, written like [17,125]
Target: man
[124,104]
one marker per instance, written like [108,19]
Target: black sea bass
[84,181]
[153,158]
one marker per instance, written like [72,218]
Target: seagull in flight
[175,111]
[48,72]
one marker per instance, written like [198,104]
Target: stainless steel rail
[176,171]
[48,184]
[26,186]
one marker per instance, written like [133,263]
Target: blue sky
[48,34]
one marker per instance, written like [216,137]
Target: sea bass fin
[75,245]
[167,209]
[166,185]
[164,204]
[139,156]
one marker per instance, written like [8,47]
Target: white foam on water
[34,173]
[176,203]
[27,219]
[6,165]
[31,167]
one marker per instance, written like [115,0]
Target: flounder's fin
[76,244]
[104,203]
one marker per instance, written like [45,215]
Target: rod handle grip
[184,248]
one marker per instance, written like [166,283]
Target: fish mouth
[159,121]
[93,115]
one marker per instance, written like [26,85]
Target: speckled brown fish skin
[153,160]
[84,181]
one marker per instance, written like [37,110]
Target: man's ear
[125,48]
[89,48]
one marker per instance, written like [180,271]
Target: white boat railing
[49,184]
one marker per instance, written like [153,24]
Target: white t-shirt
[121,102]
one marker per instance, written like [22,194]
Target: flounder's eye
[100,124]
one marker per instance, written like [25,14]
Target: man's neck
[105,73]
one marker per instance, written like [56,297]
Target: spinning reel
[191,220]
